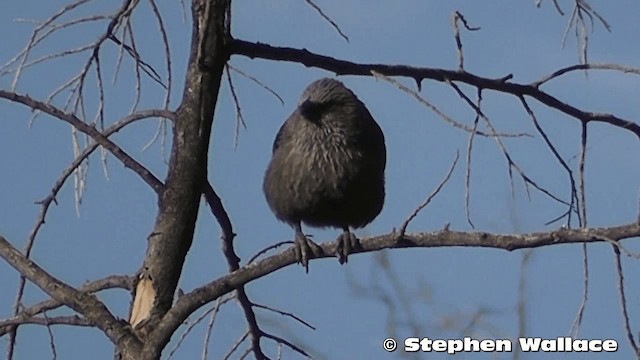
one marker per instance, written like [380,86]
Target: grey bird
[327,167]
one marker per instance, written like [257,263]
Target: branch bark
[343,67]
[110,282]
[85,304]
[90,130]
[173,232]
[198,297]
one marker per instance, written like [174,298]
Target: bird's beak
[306,105]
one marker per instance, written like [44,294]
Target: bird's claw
[344,244]
[306,249]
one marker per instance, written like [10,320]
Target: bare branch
[167,52]
[457,17]
[435,192]
[288,314]
[623,303]
[219,212]
[33,40]
[239,117]
[255,80]
[573,189]
[623,250]
[216,309]
[342,67]
[267,249]
[233,262]
[511,163]
[467,188]
[86,304]
[287,343]
[110,282]
[46,203]
[444,116]
[578,21]
[527,255]
[568,69]
[582,186]
[327,18]
[52,342]
[98,137]
[235,346]
[213,311]
[577,322]
[555,4]
[73,320]
[190,302]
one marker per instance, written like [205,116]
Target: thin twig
[623,250]
[236,345]
[568,69]
[286,343]
[426,202]
[46,321]
[52,341]
[207,336]
[467,191]
[573,190]
[288,314]
[167,52]
[267,249]
[623,303]
[582,219]
[512,164]
[457,17]
[581,177]
[527,256]
[33,40]
[444,116]
[239,117]
[577,322]
[327,18]
[213,311]
[555,4]
[255,80]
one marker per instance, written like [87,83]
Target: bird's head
[321,95]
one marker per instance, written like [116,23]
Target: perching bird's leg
[345,242]
[305,248]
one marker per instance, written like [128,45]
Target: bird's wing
[374,135]
[279,136]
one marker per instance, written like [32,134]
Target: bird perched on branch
[327,167]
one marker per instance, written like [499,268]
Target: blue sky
[446,285]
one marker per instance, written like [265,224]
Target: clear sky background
[445,287]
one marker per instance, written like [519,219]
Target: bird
[327,168]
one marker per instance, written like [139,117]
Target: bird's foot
[344,244]
[305,250]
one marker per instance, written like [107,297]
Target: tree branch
[86,304]
[110,282]
[343,67]
[198,297]
[73,320]
[95,134]
[178,204]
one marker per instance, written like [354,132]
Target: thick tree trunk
[172,235]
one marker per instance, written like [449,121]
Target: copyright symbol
[389,344]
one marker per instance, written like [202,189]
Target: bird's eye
[313,110]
